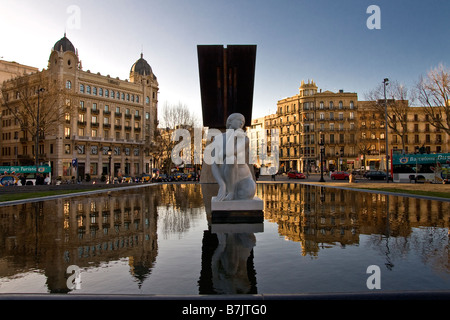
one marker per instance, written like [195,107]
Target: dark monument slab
[227,77]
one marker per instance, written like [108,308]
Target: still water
[162,239]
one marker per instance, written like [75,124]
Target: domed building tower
[141,73]
[64,60]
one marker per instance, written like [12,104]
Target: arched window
[68,84]
[100,92]
[147,100]
[107,93]
[88,89]
[82,88]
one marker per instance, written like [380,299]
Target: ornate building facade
[106,126]
[353,132]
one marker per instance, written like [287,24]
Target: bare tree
[24,96]
[175,116]
[434,95]
[399,100]
[172,117]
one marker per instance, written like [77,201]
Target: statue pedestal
[256,204]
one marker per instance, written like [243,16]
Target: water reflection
[319,217]
[89,232]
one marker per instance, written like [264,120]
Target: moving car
[296,175]
[340,175]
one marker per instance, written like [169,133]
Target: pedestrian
[23,180]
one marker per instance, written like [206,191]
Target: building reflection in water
[81,231]
[319,217]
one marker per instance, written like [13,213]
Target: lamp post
[109,158]
[385,83]
[36,143]
[322,154]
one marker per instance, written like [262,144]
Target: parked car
[164,178]
[146,178]
[340,175]
[376,175]
[296,175]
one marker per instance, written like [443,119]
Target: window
[88,89]
[100,92]
[94,91]
[82,88]
[147,100]
[106,120]
[106,93]
[67,132]
[67,149]
[94,133]
[68,84]
[352,105]
[341,105]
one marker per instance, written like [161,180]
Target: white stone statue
[233,173]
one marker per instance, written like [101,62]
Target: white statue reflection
[229,263]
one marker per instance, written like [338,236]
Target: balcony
[127,128]
[106,112]
[106,126]
[81,123]
[95,124]
[127,116]
[118,114]
[117,127]
[95,112]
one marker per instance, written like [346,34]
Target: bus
[420,167]
[10,175]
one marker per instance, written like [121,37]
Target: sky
[328,41]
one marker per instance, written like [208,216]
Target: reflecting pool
[163,239]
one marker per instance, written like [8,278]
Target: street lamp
[322,155]
[36,143]
[109,158]
[385,83]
